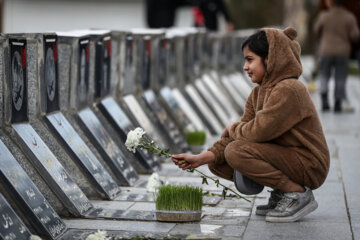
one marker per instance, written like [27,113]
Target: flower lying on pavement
[137,139]
[99,235]
[154,182]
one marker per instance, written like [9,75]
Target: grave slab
[167,124]
[86,160]
[212,103]
[122,124]
[106,146]
[202,108]
[11,227]
[28,198]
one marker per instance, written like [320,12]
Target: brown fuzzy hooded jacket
[280,110]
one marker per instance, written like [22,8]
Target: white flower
[99,235]
[35,237]
[190,128]
[154,182]
[133,139]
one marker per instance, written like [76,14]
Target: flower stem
[150,147]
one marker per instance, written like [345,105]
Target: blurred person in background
[206,13]
[162,13]
[337,29]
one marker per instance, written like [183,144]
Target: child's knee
[235,152]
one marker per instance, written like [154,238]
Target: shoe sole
[300,214]
[262,212]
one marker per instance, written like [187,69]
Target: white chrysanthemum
[190,128]
[133,139]
[35,237]
[99,235]
[154,182]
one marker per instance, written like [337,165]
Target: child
[279,141]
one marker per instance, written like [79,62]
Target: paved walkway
[338,215]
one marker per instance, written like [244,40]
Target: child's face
[254,66]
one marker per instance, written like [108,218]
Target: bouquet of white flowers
[137,139]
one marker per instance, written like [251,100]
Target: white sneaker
[347,107]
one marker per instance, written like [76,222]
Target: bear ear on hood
[290,33]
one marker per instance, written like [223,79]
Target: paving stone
[134,226]
[120,205]
[216,220]
[299,230]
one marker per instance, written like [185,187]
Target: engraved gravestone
[28,198]
[171,130]
[207,116]
[50,78]
[212,103]
[103,43]
[219,93]
[62,129]
[103,65]
[129,85]
[122,124]
[11,226]
[108,148]
[18,83]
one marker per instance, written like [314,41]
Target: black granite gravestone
[108,148]
[28,198]
[83,73]
[59,180]
[221,115]
[172,104]
[167,124]
[86,160]
[103,66]
[62,129]
[115,160]
[203,110]
[18,83]
[129,86]
[11,226]
[50,77]
[122,124]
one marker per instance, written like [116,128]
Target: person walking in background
[206,14]
[337,29]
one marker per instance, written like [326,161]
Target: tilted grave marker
[212,123]
[122,124]
[11,226]
[217,110]
[115,160]
[221,95]
[60,126]
[108,148]
[28,198]
[173,133]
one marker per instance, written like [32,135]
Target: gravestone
[208,117]
[28,198]
[108,148]
[11,226]
[216,108]
[113,159]
[80,153]
[221,96]
[44,63]
[107,104]
[122,124]
[168,125]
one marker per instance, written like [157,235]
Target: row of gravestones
[68,100]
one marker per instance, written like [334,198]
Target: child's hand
[186,161]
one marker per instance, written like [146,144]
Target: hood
[283,57]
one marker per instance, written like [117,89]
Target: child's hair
[258,44]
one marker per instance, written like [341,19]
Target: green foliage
[196,138]
[179,198]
